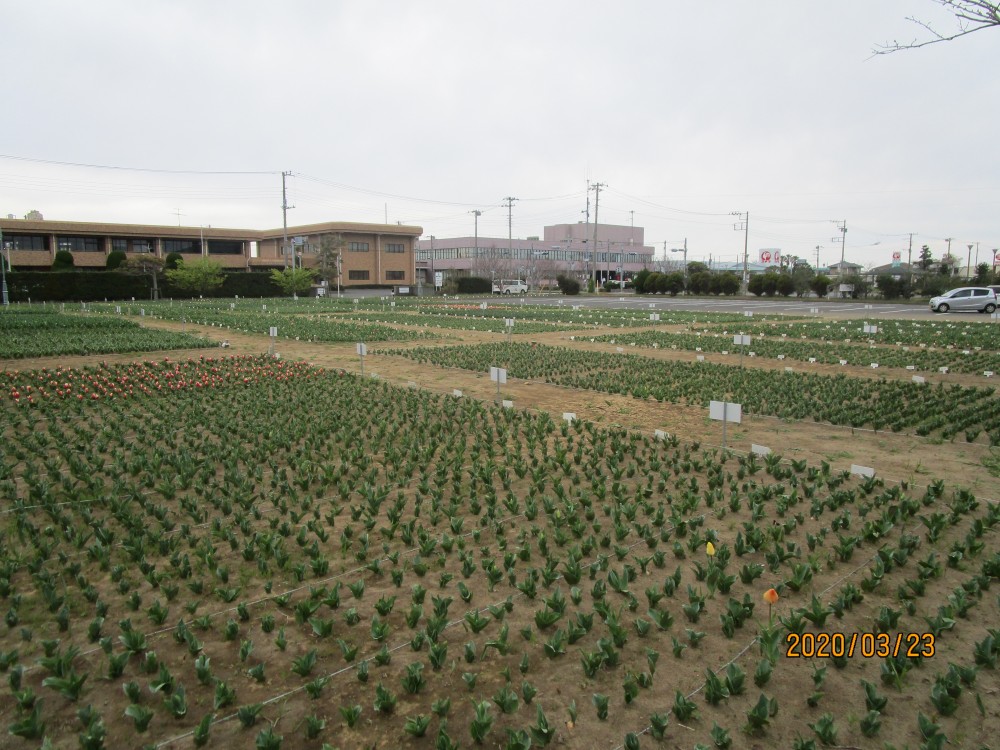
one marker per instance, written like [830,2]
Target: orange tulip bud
[771,596]
[710,549]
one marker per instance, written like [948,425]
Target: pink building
[562,249]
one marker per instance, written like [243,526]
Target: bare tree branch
[970,16]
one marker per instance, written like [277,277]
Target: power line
[128,169]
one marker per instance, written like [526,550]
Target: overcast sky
[420,112]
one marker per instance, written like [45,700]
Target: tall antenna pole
[843,242]
[596,187]
[477,213]
[284,219]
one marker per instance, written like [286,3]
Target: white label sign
[362,349]
[273,332]
[569,416]
[741,340]
[918,379]
[760,450]
[498,375]
[456,393]
[862,471]
[725,411]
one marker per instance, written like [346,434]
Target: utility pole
[510,232]
[909,259]
[596,187]
[284,219]
[744,225]
[817,257]
[968,264]
[842,226]
[948,254]
[3,271]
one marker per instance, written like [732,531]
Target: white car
[510,286]
[966,299]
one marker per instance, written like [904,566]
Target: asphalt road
[804,307]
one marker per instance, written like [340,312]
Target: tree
[926,258]
[172,261]
[639,282]
[115,259]
[567,284]
[785,285]
[983,275]
[63,261]
[820,284]
[700,283]
[671,283]
[197,276]
[145,264]
[970,16]
[330,248]
[932,285]
[729,283]
[696,266]
[861,286]
[802,276]
[891,287]
[293,280]
[651,284]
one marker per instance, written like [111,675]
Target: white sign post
[273,333]
[498,375]
[362,351]
[742,342]
[725,411]
[509,322]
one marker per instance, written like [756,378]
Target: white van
[510,286]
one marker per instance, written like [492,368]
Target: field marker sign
[725,411]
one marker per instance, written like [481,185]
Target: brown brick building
[371,254]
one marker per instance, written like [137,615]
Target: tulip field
[254,552]
[881,404]
[977,360]
[42,333]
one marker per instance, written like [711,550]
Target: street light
[685,251]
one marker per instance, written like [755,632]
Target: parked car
[510,286]
[966,299]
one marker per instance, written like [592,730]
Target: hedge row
[93,286]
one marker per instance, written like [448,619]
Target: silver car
[966,299]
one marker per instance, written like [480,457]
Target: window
[24,241]
[181,246]
[357,275]
[121,244]
[395,275]
[394,247]
[357,247]
[225,247]
[79,244]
